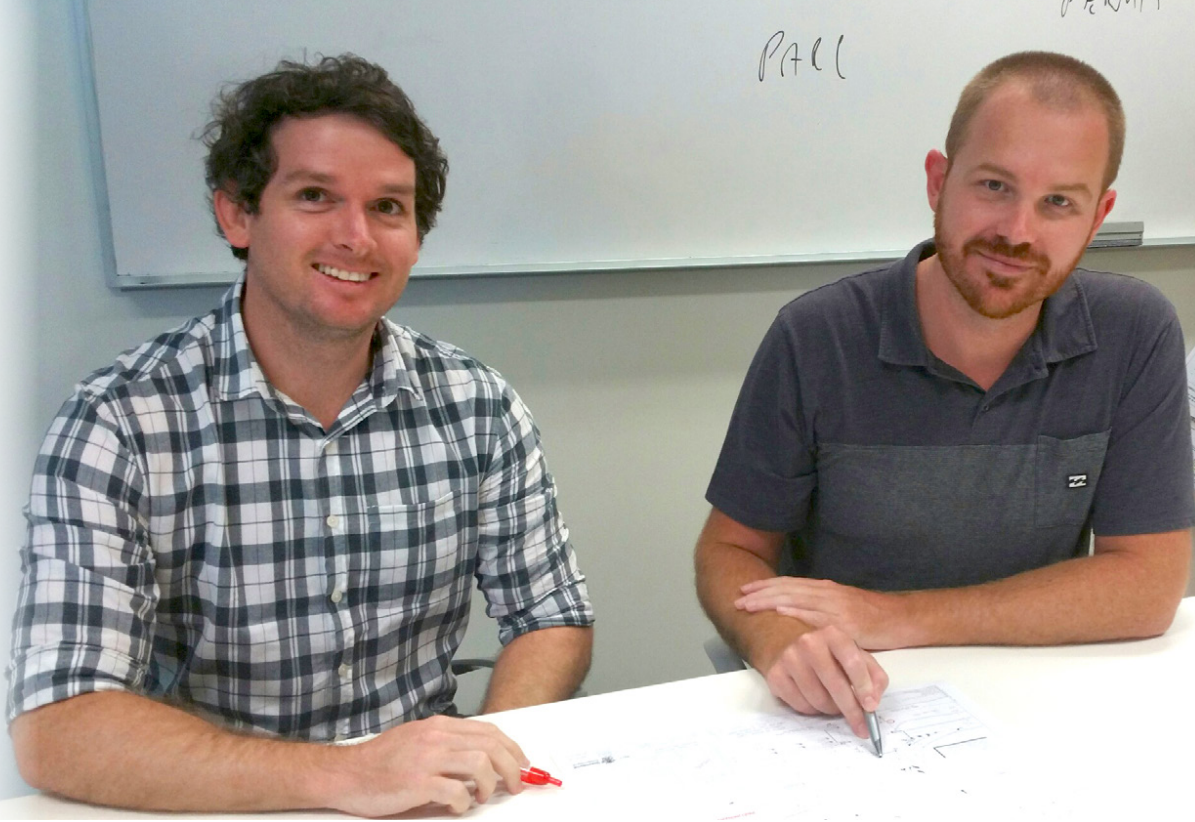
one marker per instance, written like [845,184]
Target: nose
[1019,223]
[352,230]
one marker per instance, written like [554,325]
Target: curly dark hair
[241,157]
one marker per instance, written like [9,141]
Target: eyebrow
[1069,188]
[306,176]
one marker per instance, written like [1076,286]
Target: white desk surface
[1115,719]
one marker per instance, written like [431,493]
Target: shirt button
[344,671]
[986,407]
[334,521]
[337,595]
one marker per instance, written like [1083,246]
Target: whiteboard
[609,134]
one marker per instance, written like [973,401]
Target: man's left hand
[869,617]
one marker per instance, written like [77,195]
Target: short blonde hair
[1055,80]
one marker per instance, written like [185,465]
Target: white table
[1114,720]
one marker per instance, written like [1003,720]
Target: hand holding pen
[824,671]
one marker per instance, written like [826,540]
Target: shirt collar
[1064,329]
[392,371]
[236,373]
[901,342]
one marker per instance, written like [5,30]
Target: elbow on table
[1153,617]
[34,761]
[1143,584]
[1159,620]
[47,741]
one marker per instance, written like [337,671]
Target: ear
[936,166]
[232,218]
[1101,211]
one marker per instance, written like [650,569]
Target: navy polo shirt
[892,470]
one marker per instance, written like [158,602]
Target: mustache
[1021,251]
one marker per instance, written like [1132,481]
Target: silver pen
[873,730]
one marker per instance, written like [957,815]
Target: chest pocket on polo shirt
[417,550]
[1065,476]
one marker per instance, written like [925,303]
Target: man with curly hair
[258,532]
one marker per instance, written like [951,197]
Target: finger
[485,780]
[784,586]
[761,584]
[862,692]
[784,687]
[795,596]
[506,757]
[451,793]
[814,619]
[486,762]
[879,678]
[464,764]
[767,600]
[508,769]
[493,732]
[821,679]
[857,665]
[804,595]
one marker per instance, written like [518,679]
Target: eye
[1059,201]
[312,194]
[993,185]
[390,207]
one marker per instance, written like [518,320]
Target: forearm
[540,666]
[1109,595]
[814,669]
[120,749]
[721,571]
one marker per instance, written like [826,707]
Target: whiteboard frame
[115,280]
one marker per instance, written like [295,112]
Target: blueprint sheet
[940,762]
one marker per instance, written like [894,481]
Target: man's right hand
[440,760]
[825,672]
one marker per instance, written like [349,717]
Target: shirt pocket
[1066,472]
[417,550]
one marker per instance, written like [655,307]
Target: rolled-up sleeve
[527,568]
[84,618]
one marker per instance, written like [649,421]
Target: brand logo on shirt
[1076,481]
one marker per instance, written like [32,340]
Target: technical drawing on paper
[937,763]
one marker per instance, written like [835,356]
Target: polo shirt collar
[901,342]
[1064,329]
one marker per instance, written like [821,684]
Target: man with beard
[924,451]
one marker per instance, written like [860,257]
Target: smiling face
[333,240]
[1017,204]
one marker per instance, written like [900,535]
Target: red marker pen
[535,776]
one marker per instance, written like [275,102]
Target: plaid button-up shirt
[196,536]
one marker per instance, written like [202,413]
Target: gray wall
[631,378]
[18,325]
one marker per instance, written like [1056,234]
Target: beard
[990,294]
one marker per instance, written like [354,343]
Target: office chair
[722,656]
[468,666]
[472,695]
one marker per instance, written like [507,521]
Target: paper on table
[938,763]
